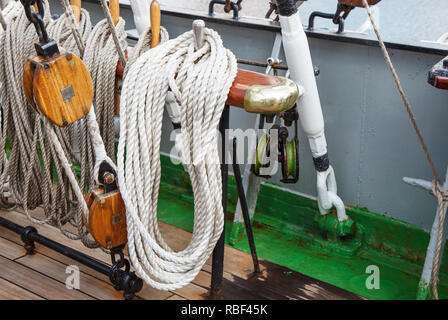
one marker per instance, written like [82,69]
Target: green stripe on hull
[287,233]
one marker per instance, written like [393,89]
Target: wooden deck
[43,275]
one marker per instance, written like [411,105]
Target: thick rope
[438,191]
[70,35]
[144,44]
[114,33]
[442,198]
[200,82]
[80,31]
[32,140]
[101,58]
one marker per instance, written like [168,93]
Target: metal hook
[198,32]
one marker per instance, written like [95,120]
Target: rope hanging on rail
[440,193]
[101,57]
[200,81]
[34,140]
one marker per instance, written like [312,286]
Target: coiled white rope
[200,81]
[33,139]
[61,31]
[101,57]
[144,44]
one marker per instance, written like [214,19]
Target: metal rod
[123,278]
[64,250]
[218,252]
[261,64]
[244,209]
[198,32]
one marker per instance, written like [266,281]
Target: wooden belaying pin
[114,7]
[155,16]
[76,8]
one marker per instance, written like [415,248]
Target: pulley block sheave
[287,150]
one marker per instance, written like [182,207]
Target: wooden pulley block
[59,87]
[358,3]
[107,218]
[262,93]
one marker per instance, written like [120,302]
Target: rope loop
[200,81]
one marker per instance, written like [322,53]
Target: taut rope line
[438,191]
[200,81]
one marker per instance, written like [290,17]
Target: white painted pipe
[298,56]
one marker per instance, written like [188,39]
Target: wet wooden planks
[43,275]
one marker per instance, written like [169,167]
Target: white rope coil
[200,81]
[144,44]
[61,31]
[33,141]
[101,58]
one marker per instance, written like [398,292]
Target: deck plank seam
[21,287]
[51,278]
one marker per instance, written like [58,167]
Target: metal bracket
[228,5]
[337,18]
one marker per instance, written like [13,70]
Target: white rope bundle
[144,44]
[101,58]
[61,31]
[200,81]
[33,139]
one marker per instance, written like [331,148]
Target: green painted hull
[288,232]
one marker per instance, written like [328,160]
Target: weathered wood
[10,249]
[155,16]
[192,292]
[57,270]
[60,87]
[274,282]
[35,282]
[10,291]
[107,219]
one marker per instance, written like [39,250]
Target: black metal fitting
[321,163]
[121,279]
[47,49]
[124,279]
[235,7]
[286,8]
[105,168]
[28,243]
[337,18]
[290,116]
[439,71]
[269,118]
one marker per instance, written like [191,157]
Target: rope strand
[438,191]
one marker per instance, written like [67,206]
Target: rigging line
[74,26]
[2,20]
[438,191]
[400,89]
[120,51]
